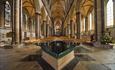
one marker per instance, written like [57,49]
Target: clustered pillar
[99,18]
[17,22]
[2,15]
[13,25]
[78,24]
[114,11]
[30,26]
[67,30]
[45,28]
[71,31]
[114,16]
[86,24]
[37,25]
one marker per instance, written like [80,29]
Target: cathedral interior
[57,34]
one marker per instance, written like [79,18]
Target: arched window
[90,21]
[110,13]
[84,24]
[7,14]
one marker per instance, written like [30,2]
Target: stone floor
[29,58]
[104,60]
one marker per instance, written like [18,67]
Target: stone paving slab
[111,66]
[97,67]
[90,65]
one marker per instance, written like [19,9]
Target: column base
[18,45]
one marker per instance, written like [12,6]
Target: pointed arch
[110,13]
[7,14]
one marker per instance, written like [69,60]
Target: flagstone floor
[29,58]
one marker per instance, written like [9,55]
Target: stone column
[30,26]
[105,12]
[48,31]
[26,22]
[20,21]
[71,31]
[74,30]
[2,12]
[114,16]
[17,21]
[44,28]
[13,23]
[114,12]
[78,24]
[62,29]
[86,24]
[67,29]
[99,18]
[37,25]
[95,18]
[52,28]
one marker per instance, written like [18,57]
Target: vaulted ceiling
[59,9]
[29,5]
[86,6]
